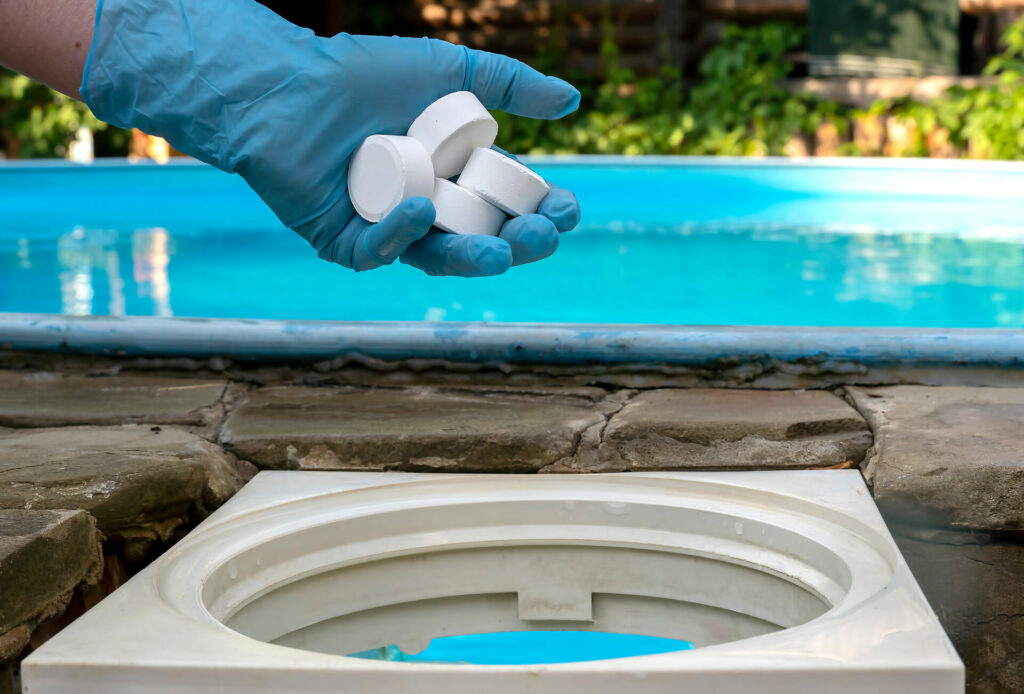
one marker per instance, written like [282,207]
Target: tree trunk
[11,143]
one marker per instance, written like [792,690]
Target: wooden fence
[569,33]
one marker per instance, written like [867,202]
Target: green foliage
[988,120]
[626,115]
[739,107]
[992,116]
[36,121]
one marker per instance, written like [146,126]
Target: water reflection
[24,255]
[89,271]
[116,306]
[76,254]
[150,258]
[706,274]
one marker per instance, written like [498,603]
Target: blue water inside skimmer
[530,648]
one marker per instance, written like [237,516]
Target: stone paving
[409,429]
[44,557]
[138,482]
[947,472]
[947,457]
[135,459]
[47,399]
[459,430]
[735,430]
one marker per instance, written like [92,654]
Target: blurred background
[939,78]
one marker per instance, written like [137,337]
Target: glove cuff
[188,70]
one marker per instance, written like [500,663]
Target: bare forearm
[48,40]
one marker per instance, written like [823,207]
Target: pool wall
[773,190]
[506,342]
[629,355]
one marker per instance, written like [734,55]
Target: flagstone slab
[720,429]
[423,429]
[124,476]
[46,399]
[44,556]
[947,457]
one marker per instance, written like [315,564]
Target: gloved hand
[233,84]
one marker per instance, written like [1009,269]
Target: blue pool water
[530,648]
[733,243]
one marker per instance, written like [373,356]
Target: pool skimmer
[785,582]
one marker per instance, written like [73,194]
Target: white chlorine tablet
[503,182]
[460,211]
[451,128]
[386,170]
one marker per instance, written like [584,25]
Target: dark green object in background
[884,37]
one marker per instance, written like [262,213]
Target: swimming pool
[663,241]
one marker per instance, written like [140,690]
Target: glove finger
[561,207]
[512,86]
[439,253]
[380,244]
[531,237]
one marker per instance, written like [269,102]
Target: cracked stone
[977,591]
[734,429]
[44,556]
[589,394]
[125,476]
[409,429]
[950,456]
[587,457]
[42,399]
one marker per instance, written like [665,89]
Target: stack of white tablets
[452,137]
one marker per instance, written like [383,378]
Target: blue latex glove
[233,84]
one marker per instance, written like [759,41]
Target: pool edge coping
[519,343]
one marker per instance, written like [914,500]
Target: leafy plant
[993,116]
[739,106]
[36,121]
[623,114]
[984,121]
